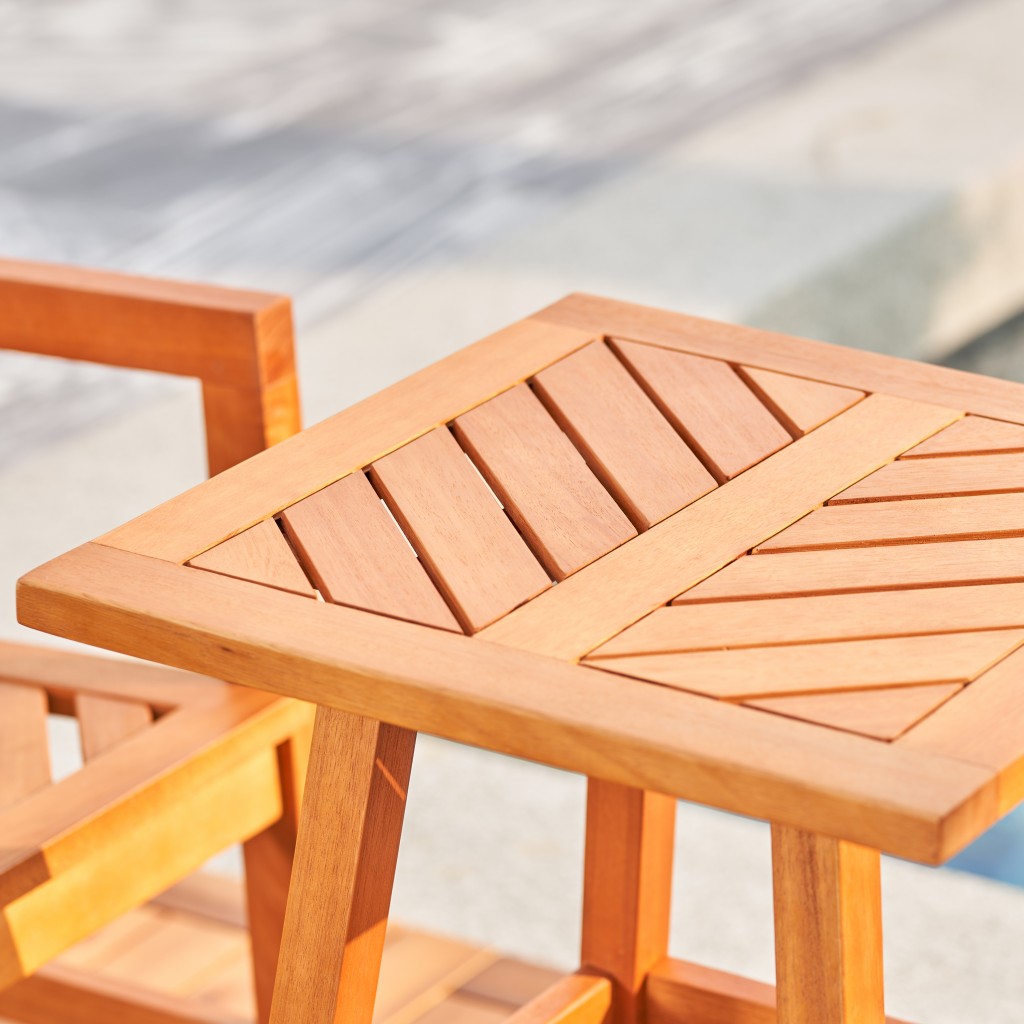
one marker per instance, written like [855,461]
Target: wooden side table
[684,558]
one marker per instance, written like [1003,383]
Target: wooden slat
[983,726]
[598,601]
[204,516]
[920,806]
[473,552]
[828,930]
[792,620]
[24,753]
[557,503]
[103,723]
[936,478]
[815,360]
[808,668]
[708,403]
[260,555]
[357,555]
[875,568]
[627,889]
[973,435]
[883,714]
[575,999]
[344,870]
[513,982]
[900,522]
[631,447]
[799,404]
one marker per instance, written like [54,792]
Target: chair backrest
[238,343]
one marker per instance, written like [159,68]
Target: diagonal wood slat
[630,446]
[797,403]
[481,564]
[708,403]
[358,556]
[103,723]
[24,753]
[973,435]
[554,499]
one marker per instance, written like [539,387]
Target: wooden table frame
[835,799]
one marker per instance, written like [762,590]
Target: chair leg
[268,869]
[828,930]
[345,859]
[627,888]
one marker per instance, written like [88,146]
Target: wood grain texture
[260,555]
[792,620]
[883,714]
[904,522]
[627,889]
[973,435]
[103,722]
[344,870]
[818,667]
[937,478]
[921,806]
[629,445]
[597,602]
[797,403]
[187,525]
[575,999]
[24,748]
[815,360]
[470,548]
[983,726]
[551,495]
[889,567]
[828,930]
[707,402]
[358,556]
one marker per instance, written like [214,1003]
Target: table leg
[828,930]
[627,888]
[344,870]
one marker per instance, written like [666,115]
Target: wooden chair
[176,766]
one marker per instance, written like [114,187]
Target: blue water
[998,854]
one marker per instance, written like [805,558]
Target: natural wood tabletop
[762,573]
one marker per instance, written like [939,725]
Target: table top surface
[758,572]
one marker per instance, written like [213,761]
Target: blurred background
[417,174]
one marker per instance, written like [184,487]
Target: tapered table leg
[828,930]
[345,859]
[627,888]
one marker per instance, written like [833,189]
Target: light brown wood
[103,723]
[651,737]
[358,556]
[828,930]
[982,726]
[937,478]
[566,516]
[510,981]
[707,402]
[597,602]
[575,999]
[183,527]
[213,897]
[680,991]
[238,343]
[790,620]
[798,404]
[883,714]
[344,870]
[970,436]
[471,550]
[902,522]
[627,889]
[819,667]
[268,868]
[815,360]
[24,749]
[629,445]
[261,555]
[874,568]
